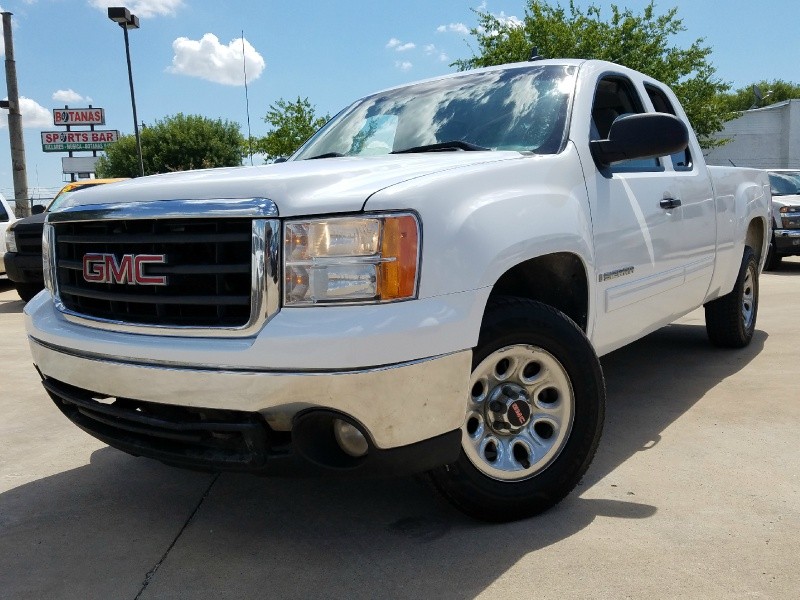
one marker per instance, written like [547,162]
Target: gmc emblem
[104,268]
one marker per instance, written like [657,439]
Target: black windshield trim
[444,147]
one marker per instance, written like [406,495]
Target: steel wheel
[519,413]
[749,296]
[731,319]
[534,413]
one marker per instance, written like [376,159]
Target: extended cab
[426,285]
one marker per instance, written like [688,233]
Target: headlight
[351,259]
[11,241]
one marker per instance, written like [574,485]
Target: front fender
[480,221]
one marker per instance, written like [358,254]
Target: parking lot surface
[694,493]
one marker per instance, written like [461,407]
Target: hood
[786,200]
[304,187]
[30,223]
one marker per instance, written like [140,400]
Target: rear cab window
[681,161]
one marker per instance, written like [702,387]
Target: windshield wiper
[443,147]
[326,155]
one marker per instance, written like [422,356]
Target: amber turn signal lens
[400,244]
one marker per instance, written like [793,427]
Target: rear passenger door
[637,222]
[692,184]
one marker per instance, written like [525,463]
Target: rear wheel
[731,319]
[533,417]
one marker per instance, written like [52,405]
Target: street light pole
[123,17]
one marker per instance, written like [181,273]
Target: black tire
[27,291]
[511,324]
[773,262]
[731,319]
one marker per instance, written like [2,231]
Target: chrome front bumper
[397,404]
[787,241]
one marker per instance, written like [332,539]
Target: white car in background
[6,218]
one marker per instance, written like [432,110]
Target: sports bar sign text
[61,141]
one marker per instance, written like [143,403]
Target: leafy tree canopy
[177,143]
[771,92]
[293,122]
[640,41]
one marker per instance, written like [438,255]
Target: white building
[765,138]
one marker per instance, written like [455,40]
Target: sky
[187,56]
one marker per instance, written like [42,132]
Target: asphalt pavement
[694,493]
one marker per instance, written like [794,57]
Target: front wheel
[731,319]
[773,262]
[533,416]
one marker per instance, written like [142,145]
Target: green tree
[639,41]
[772,91]
[177,143]
[293,122]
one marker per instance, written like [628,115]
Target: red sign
[79,116]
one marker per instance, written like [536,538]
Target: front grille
[190,437]
[791,221]
[207,269]
[28,242]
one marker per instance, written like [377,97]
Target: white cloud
[509,20]
[69,96]
[430,49]
[443,57]
[403,65]
[34,115]
[395,44]
[506,21]
[454,27]
[208,59]
[143,8]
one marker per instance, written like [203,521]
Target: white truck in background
[785,189]
[7,217]
[426,285]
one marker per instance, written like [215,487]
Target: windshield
[61,199]
[522,108]
[785,183]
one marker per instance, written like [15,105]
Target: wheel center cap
[508,408]
[518,413]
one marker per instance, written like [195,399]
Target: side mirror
[645,135]
[37,209]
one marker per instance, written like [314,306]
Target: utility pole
[23,208]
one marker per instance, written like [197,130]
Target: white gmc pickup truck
[425,286]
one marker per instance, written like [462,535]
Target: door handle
[668,203]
